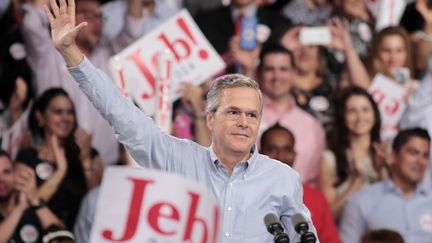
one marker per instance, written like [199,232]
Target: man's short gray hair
[226,82]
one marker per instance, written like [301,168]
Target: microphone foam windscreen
[270,219]
[298,218]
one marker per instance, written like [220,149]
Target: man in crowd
[275,77]
[248,185]
[23,216]
[401,203]
[419,114]
[278,143]
[49,69]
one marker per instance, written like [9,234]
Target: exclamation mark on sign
[203,54]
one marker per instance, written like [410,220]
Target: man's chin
[245,149]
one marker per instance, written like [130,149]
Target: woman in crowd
[314,84]
[65,164]
[357,158]
[390,53]
[361,24]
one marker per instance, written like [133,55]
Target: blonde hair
[374,64]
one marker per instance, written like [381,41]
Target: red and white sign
[192,59]
[140,205]
[163,105]
[12,137]
[389,96]
[386,12]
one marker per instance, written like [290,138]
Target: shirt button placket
[229,208]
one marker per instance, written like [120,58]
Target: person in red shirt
[277,142]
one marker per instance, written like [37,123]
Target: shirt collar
[270,104]
[251,161]
[391,187]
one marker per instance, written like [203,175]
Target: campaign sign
[11,138]
[386,12]
[148,206]
[192,59]
[389,96]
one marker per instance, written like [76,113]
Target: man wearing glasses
[248,185]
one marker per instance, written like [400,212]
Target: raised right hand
[59,154]
[62,22]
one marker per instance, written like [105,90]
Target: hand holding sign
[390,98]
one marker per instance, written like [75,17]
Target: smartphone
[320,35]
[248,33]
[402,75]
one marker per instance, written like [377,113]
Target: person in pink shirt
[274,75]
[278,143]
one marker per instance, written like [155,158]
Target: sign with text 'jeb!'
[390,99]
[140,205]
[192,59]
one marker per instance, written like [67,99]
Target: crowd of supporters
[320,115]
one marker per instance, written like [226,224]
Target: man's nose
[242,121]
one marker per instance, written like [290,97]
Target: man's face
[6,178]
[276,75]
[91,12]
[411,161]
[279,144]
[234,124]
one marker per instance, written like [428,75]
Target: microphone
[275,228]
[302,228]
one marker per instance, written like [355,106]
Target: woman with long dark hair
[356,157]
[60,154]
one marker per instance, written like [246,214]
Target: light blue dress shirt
[256,187]
[383,206]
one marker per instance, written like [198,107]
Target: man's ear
[210,120]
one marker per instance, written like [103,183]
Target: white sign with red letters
[192,59]
[11,138]
[390,98]
[386,12]
[138,205]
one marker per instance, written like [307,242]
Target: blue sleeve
[353,223]
[296,206]
[148,145]
[86,216]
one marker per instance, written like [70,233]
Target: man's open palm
[62,22]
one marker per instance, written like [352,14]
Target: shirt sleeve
[418,103]
[148,145]
[85,218]
[297,206]
[352,224]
